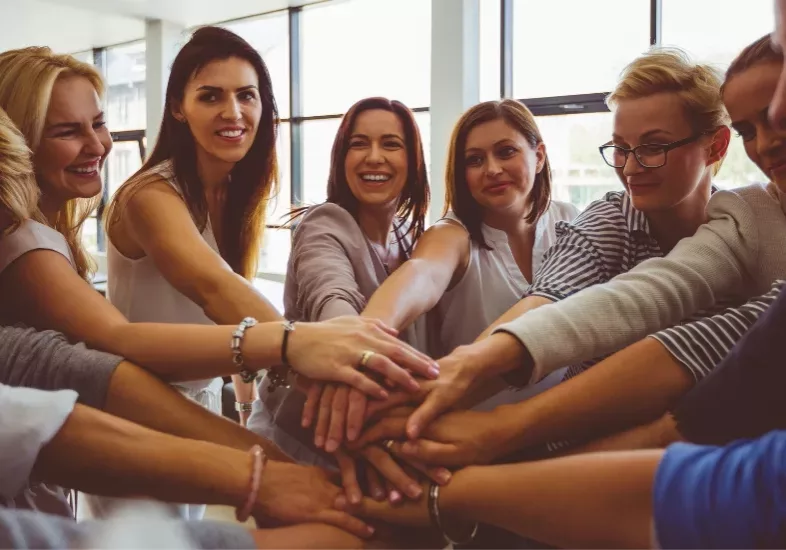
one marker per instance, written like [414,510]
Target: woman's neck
[376,223]
[50,208]
[683,220]
[213,173]
[514,225]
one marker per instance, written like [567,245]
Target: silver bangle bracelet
[237,355]
[436,520]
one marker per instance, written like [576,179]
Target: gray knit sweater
[740,252]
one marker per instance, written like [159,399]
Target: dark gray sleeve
[47,361]
[23,529]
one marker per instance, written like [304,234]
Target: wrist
[499,354]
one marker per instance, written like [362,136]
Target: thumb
[434,405]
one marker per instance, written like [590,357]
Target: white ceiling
[76,25]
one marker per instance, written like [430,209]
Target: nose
[375,154]
[231,110]
[94,146]
[632,166]
[493,166]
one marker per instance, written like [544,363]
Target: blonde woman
[55,101]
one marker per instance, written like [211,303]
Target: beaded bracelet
[237,355]
[260,461]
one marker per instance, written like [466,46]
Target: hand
[412,512]
[331,351]
[307,535]
[290,493]
[336,406]
[456,439]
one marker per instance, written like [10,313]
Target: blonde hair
[672,70]
[18,189]
[27,77]
[457,195]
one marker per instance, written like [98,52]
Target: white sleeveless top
[29,236]
[137,288]
[492,282]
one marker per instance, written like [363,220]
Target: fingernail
[355,497]
[395,496]
[383,394]
[414,491]
[305,422]
[319,441]
[443,476]
[433,371]
[378,494]
[331,445]
[370,530]
[352,434]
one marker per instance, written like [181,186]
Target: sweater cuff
[517,378]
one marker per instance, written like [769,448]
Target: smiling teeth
[85,169]
[375,177]
[231,133]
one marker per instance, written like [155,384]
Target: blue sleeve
[722,497]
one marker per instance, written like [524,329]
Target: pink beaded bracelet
[260,461]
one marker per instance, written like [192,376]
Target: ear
[540,155]
[719,144]
[177,112]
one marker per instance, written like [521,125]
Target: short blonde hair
[27,77]
[18,188]
[672,70]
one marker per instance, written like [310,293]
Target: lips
[232,133]
[497,188]
[375,178]
[85,170]
[777,167]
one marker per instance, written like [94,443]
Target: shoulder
[30,236]
[601,214]
[749,205]
[328,217]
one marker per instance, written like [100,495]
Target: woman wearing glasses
[669,139]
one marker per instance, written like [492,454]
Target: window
[125,78]
[490,54]
[318,136]
[281,203]
[563,47]
[579,174]
[737,169]
[123,161]
[84,57]
[362,48]
[715,30]
[269,35]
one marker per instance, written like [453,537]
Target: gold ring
[365,357]
[388,444]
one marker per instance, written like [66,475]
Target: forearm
[633,386]
[407,294]
[138,396]
[654,435]
[598,500]
[100,454]
[178,353]
[522,307]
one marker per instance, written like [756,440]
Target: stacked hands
[383,421]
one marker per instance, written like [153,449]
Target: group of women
[505,290]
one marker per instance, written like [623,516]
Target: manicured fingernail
[369,530]
[352,434]
[433,371]
[331,445]
[414,491]
[304,423]
[413,431]
[319,441]
[355,497]
[443,476]
[395,497]
[378,494]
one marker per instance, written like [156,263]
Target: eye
[209,97]
[473,160]
[356,143]
[99,124]
[392,144]
[747,134]
[506,152]
[247,95]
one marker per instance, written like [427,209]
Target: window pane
[563,47]
[579,174]
[490,54]
[269,35]
[84,57]
[318,136]
[737,169]
[361,48]
[424,124]
[726,26]
[90,234]
[276,245]
[280,204]
[125,78]
[123,161]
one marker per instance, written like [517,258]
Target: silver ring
[388,444]
[366,355]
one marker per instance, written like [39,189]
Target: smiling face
[74,144]
[660,119]
[747,96]
[376,163]
[500,167]
[222,108]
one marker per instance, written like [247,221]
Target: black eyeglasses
[649,155]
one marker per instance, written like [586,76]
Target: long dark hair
[414,200]
[254,177]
